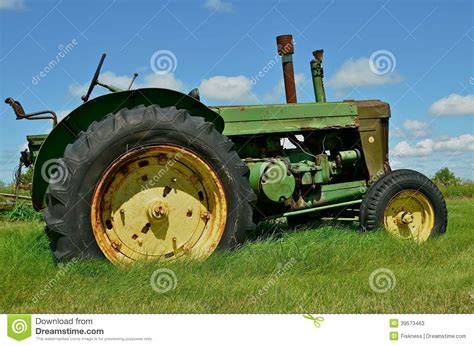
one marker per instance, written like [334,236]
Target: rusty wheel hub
[410,215]
[158,203]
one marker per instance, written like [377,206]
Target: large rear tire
[407,204]
[148,183]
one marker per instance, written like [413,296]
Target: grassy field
[458,191]
[318,269]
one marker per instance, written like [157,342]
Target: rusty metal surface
[13,196]
[285,50]
[158,202]
[372,108]
[20,112]
[285,44]
[318,54]
[373,129]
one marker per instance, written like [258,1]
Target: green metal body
[324,207]
[317,77]
[34,144]
[272,180]
[295,117]
[369,119]
[345,146]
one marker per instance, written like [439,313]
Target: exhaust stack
[286,50]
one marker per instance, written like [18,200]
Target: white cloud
[232,89]
[395,163]
[167,81]
[218,6]
[453,104]
[23,147]
[227,88]
[421,148]
[63,113]
[77,89]
[428,146]
[279,90]
[357,73]
[461,143]
[237,89]
[414,125]
[412,128]
[416,128]
[12,4]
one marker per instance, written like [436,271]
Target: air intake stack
[317,74]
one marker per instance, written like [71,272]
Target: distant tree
[26,179]
[27,176]
[445,177]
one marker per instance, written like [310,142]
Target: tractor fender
[96,109]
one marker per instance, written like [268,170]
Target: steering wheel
[94,80]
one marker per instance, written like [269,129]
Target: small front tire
[407,204]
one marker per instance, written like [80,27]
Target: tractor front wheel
[407,204]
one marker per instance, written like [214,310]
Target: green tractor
[154,174]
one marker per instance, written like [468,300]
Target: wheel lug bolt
[206,215]
[162,159]
[407,218]
[116,244]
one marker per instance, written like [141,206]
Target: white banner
[311,329]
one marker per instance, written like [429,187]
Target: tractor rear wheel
[407,204]
[149,183]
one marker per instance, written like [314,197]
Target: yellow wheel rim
[410,215]
[158,203]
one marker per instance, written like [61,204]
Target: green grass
[464,190]
[327,271]
[22,211]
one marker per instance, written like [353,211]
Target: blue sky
[220,45]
